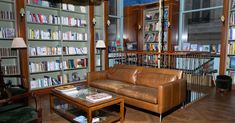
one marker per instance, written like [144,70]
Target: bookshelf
[58,43]
[99,31]
[9,57]
[151,32]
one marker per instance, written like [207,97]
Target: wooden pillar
[92,42]
[21,30]
[224,40]
[106,60]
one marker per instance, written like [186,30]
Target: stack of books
[98,97]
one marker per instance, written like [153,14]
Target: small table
[71,106]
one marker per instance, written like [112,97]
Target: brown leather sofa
[153,89]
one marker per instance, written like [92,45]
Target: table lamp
[100,45]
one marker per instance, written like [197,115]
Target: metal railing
[197,67]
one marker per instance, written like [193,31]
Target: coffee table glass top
[82,92]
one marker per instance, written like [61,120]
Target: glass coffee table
[74,104]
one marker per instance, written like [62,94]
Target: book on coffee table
[98,97]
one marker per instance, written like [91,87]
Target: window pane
[202,30]
[114,35]
[198,4]
[113,6]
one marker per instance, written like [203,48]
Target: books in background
[214,48]
[75,36]
[43,3]
[232,75]
[44,82]
[232,33]
[9,69]
[7,32]
[151,26]
[46,66]
[40,18]
[152,16]
[98,97]
[151,37]
[151,46]
[7,15]
[45,51]
[44,34]
[7,52]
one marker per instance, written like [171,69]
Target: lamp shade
[18,43]
[100,44]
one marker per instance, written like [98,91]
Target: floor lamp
[100,45]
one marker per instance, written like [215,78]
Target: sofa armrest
[171,94]
[98,75]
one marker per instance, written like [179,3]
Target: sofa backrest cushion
[123,74]
[177,73]
[152,79]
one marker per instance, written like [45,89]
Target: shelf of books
[57,35]
[231,42]
[99,30]
[9,57]
[151,30]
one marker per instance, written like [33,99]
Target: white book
[64,6]
[98,97]
[83,9]
[71,7]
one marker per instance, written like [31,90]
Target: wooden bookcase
[136,21]
[9,57]
[58,43]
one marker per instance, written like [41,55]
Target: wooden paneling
[224,40]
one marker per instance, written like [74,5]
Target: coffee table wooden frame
[89,108]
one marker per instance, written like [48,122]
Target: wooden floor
[214,108]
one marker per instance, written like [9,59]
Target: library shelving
[8,56]
[58,43]
[151,32]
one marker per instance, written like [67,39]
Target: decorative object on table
[100,45]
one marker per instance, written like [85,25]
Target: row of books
[154,26]
[215,48]
[155,15]
[44,51]
[54,19]
[9,69]
[7,15]
[55,35]
[43,3]
[45,66]
[7,32]
[7,52]
[54,4]
[232,18]
[75,36]
[232,33]
[231,48]
[44,82]
[151,46]
[151,37]
[43,34]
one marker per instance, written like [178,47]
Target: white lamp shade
[18,43]
[100,44]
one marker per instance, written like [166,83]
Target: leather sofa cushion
[178,73]
[124,75]
[109,85]
[154,79]
[139,92]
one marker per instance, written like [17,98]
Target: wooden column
[92,42]
[224,38]
[106,60]
[21,30]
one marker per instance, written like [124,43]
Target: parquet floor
[214,108]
